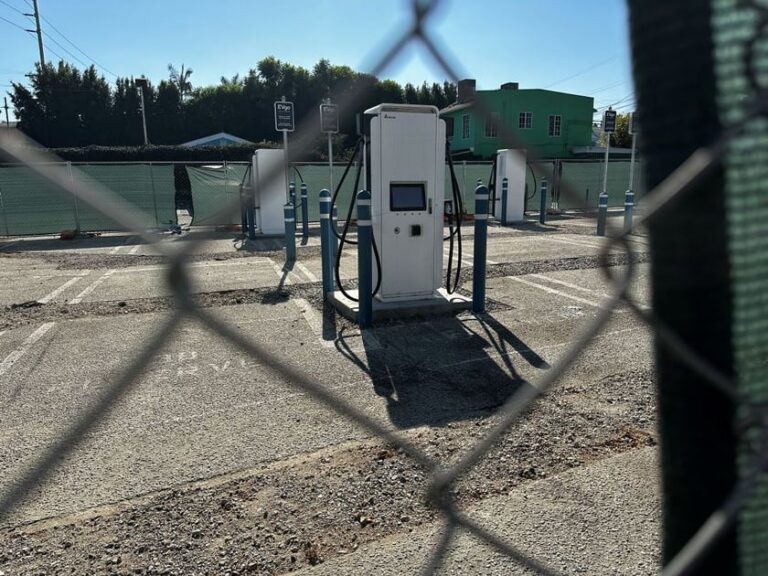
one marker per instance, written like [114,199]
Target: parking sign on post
[329,123]
[609,121]
[284,123]
[284,116]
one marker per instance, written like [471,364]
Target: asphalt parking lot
[74,315]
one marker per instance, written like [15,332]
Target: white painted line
[572,242]
[233,262]
[2,332]
[558,292]
[14,356]
[314,319]
[48,297]
[90,288]
[568,285]
[307,272]
[134,249]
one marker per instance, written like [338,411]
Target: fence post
[481,249]
[74,198]
[326,242]
[543,202]
[289,214]
[226,187]
[504,192]
[364,260]
[334,231]
[304,212]
[154,195]
[602,213]
[629,204]
[5,216]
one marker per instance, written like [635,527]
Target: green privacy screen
[746,199]
[215,193]
[30,204]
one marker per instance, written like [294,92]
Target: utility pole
[5,105]
[39,31]
[141,84]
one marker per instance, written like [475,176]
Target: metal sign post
[329,123]
[609,127]
[633,132]
[284,122]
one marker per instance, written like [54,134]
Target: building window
[492,125]
[525,120]
[465,126]
[554,125]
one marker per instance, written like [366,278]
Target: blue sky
[574,46]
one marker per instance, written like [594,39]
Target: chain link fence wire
[88,190]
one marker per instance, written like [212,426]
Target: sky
[566,45]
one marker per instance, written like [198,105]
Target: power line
[571,77]
[48,36]
[12,7]
[76,47]
[13,24]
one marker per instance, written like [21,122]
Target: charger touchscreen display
[407,197]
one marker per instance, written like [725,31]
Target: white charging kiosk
[269,193]
[511,164]
[405,174]
[407,183]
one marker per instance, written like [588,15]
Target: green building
[549,124]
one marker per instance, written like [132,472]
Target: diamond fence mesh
[741,144]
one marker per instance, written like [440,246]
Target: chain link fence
[87,189]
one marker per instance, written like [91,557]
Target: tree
[411,96]
[181,79]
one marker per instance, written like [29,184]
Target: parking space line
[48,297]
[134,249]
[14,356]
[91,287]
[572,243]
[116,248]
[306,271]
[569,285]
[314,319]
[558,292]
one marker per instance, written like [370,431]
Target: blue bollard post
[504,192]
[364,260]
[481,249]
[326,242]
[292,193]
[304,212]
[543,202]
[602,213]
[335,228]
[289,216]
[629,205]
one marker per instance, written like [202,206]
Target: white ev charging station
[404,154]
[407,185]
[269,194]
[510,164]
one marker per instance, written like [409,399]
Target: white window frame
[492,121]
[555,129]
[465,123]
[525,120]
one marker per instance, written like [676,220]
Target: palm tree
[181,79]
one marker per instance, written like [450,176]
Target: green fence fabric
[216,193]
[746,204]
[30,204]
[147,187]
